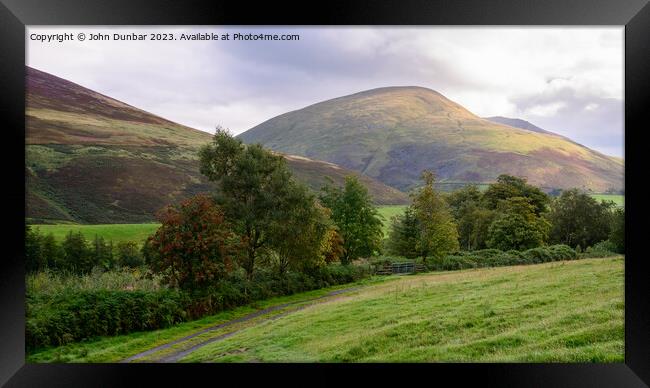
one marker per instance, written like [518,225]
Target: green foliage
[404,234]
[64,309]
[254,185]
[76,315]
[34,259]
[578,219]
[103,253]
[298,236]
[77,255]
[437,231]
[128,254]
[356,218]
[471,218]
[517,226]
[601,249]
[617,233]
[508,186]
[497,258]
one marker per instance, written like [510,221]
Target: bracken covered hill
[93,159]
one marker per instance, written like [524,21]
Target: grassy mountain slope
[517,123]
[393,133]
[93,159]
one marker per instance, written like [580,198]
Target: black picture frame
[16,14]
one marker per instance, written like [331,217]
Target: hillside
[393,133]
[93,159]
[517,123]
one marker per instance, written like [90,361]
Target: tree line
[261,217]
[509,215]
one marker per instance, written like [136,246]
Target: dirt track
[177,355]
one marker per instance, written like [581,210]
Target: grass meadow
[569,311]
[110,232]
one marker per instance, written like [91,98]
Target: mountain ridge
[93,159]
[392,133]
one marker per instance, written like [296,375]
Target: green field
[554,312]
[110,232]
[618,199]
[388,212]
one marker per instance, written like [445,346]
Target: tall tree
[579,219]
[617,234]
[77,256]
[508,186]
[404,234]
[438,233]
[297,235]
[356,217]
[470,216]
[252,183]
[517,226]
[34,259]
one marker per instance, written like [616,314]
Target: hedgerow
[497,258]
[75,314]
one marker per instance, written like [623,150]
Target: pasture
[618,199]
[110,232]
[569,311]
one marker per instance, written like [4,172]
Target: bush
[602,249]
[67,308]
[497,258]
[76,315]
[129,255]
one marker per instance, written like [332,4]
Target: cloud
[568,80]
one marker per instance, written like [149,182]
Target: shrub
[602,249]
[66,308]
[128,254]
[76,315]
[537,255]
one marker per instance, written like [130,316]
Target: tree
[252,183]
[438,234]
[578,219]
[617,234]
[103,253]
[77,256]
[51,251]
[479,220]
[404,234]
[194,245]
[508,186]
[34,259]
[517,226]
[128,254]
[465,205]
[356,217]
[297,235]
[333,247]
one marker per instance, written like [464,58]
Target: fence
[399,268]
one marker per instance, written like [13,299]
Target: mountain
[393,133]
[93,159]
[517,123]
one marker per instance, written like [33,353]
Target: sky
[567,80]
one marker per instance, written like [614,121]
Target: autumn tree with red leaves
[194,245]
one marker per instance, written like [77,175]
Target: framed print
[422,189]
